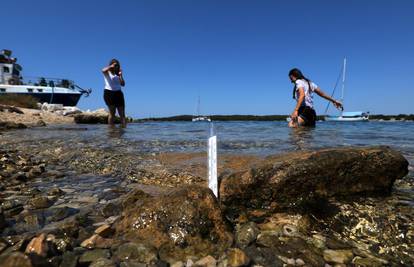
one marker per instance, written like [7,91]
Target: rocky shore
[97,206]
[15,117]
[12,117]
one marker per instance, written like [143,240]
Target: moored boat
[49,90]
[346,115]
[349,116]
[200,118]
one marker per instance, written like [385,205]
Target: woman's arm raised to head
[121,78]
[108,68]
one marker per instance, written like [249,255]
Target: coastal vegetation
[22,101]
[399,117]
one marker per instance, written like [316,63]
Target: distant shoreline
[375,117]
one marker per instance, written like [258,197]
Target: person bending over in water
[304,114]
[113,96]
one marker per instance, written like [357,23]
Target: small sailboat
[346,115]
[199,118]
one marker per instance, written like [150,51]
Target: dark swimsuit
[114,98]
[308,114]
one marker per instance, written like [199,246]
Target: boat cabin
[9,70]
[54,91]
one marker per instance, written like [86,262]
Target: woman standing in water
[304,114]
[113,96]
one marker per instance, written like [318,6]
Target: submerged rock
[38,246]
[15,259]
[246,234]
[207,261]
[93,255]
[102,262]
[96,241]
[186,221]
[3,222]
[292,178]
[136,251]
[69,259]
[237,258]
[338,256]
[40,202]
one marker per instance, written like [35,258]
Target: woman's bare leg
[121,112]
[301,122]
[111,116]
[296,123]
[292,124]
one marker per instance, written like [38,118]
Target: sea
[234,137]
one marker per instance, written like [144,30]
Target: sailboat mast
[343,81]
[198,106]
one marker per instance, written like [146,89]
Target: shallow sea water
[236,138]
[246,137]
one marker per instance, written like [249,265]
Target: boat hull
[201,119]
[344,119]
[51,95]
[66,99]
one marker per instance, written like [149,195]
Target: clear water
[245,137]
[259,138]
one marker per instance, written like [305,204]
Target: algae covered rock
[291,178]
[186,221]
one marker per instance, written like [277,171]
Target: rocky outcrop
[288,179]
[97,117]
[11,109]
[7,125]
[187,221]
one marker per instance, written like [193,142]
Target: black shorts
[114,98]
[308,114]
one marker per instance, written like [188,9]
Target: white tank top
[112,81]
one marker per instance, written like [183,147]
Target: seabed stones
[74,225]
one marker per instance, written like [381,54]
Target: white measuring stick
[212,161]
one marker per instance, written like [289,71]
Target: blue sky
[234,54]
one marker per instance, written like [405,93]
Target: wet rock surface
[79,204]
[292,178]
[184,222]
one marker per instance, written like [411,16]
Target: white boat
[200,118]
[347,115]
[49,90]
